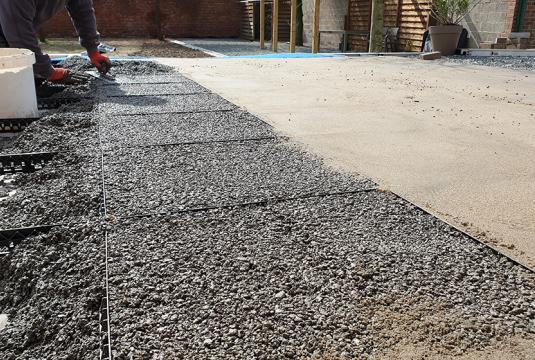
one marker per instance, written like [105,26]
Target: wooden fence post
[293,26]
[275,26]
[316,27]
[262,24]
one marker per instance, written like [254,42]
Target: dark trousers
[3,40]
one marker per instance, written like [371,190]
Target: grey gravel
[163,104]
[134,68]
[180,88]
[162,179]
[66,190]
[343,276]
[508,62]
[51,290]
[170,78]
[58,132]
[128,131]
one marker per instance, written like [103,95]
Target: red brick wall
[529,22]
[180,18]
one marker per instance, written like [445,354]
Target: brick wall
[333,14]
[179,18]
[489,20]
[528,24]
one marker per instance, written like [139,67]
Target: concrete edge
[193,47]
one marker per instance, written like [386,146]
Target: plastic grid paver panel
[63,191]
[174,178]
[132,105]
[129,131]
[181,88]
[310,268]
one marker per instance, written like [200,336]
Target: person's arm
[16,18]
[83,17]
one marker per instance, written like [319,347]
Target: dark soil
[166,49]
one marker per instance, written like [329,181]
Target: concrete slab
[135,105]
[458,140]
[173,178]
[181,88]
[329,272]
[144,130]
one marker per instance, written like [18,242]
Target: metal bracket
[30,162]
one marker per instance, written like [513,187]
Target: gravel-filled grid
[59,132]
[347,276]
[51,288]
[172,178]
[66,190]
[130,131]
[147,79]
[181,88]
[147,105]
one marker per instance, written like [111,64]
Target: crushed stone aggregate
[58,132]
[130,131]
[174,178]
[163,104]
[509,62]
[168,78]
[66,190]
[131,68]
[51,289]
[181,88]
[345,276]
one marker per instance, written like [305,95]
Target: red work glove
[101,62]
[66,77]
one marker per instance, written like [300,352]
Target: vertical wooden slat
[316,27]
[262,24]
[293,25]
[275,26]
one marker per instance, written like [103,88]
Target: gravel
[344,276]
[132,68]
[131,131]
[147,105]
[180,88]
[144,79]
[51,290]
[66,190]
[508,62]
[59,132]
[174,178]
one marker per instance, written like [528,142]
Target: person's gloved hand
[67,77]
[101,62]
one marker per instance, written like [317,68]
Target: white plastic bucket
[17,86]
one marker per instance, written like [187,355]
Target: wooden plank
[293,25]
[275,27]
[316,27]
[262,24]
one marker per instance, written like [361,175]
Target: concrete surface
[455,139]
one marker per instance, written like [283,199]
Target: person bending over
[20,20]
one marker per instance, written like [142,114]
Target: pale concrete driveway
[457,140]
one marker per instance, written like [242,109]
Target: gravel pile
[59,132]
[147,105]
[508,62]
[132,68]
[130,131]
[146,79]
[179,88]
[166,179]
[51,290]
[66,190]
[346,276]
